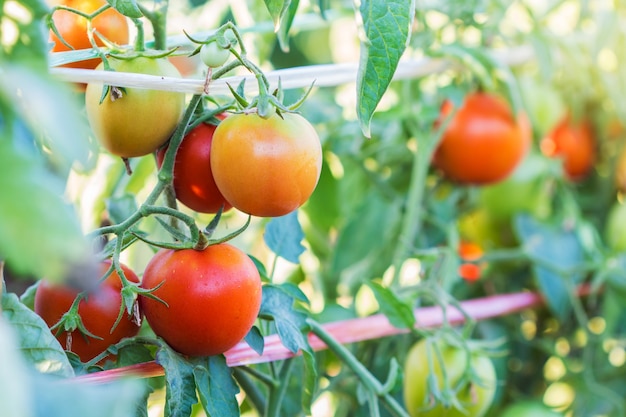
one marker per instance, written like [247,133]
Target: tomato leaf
[399,313]
[121,207]
[254,339]
[14,398]
[180,391]
[387,30]
[552,247]
[291,325]
[283,235]
[35,340]
[285,25]
[128,8]
[216,387]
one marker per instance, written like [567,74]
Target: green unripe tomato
[615,229]
[474,398]
[529,408]
[213,55]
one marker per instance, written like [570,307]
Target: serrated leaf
[121,207]
[554,246]
[254,339]
[283,235]
[400,314]
[36,342]
[216,386]
[387,30]
[278,305]
[128,8]
[180,391]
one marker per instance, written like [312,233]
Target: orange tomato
[484,141]
[470,271]
[574,142]
[110,25]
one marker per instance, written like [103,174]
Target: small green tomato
[213,55]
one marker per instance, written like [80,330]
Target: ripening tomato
[574,142]
[140,120]
[484,141]
[469,251]
[475,398]
[213,55]
[98,312]
[110,25]
[213,297]
[266,167]
[193,180]
[620,171]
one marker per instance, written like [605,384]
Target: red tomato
[98,312]
[109,24]
[470,252]
[213,297]
[483,143]
[573,141]
[193,180]
[266,167]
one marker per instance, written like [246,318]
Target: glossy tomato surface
[266,167]
[474,398]
[98,312]
[139,121]
[483,142]
[213,297]
[572,141]
[193,179]
[110,25]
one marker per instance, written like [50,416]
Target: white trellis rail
[297,77]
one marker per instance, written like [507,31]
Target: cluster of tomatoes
[200,301]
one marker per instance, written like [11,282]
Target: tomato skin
[574,142]
[213,297]
[266,167]
[73,28]
[193,179]
[483,143]
[140,121]
[98,313]
[476,399]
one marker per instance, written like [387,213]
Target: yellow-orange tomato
[110,25]
[574,142]
[620,171]
[266,167]
[484,141]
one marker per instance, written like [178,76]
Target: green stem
[412,221]
[158,20]
[366,377]
[140,44]
[253,393]
[277,393]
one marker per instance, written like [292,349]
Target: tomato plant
[424,370]
[483,142]
[133,122]
[266,167]
[573,141]
[528,408]
[98,312]
[193,179]
[209,298]
[110,25]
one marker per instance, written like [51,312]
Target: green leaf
[28,296]
[180,391]
[555,248]
[283,235]
[121,207]
[39,233]
[400,314]
[216,386]
[36,342]
[254,339]
[128,8]
[285,25]
[387,30]
[15,400]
